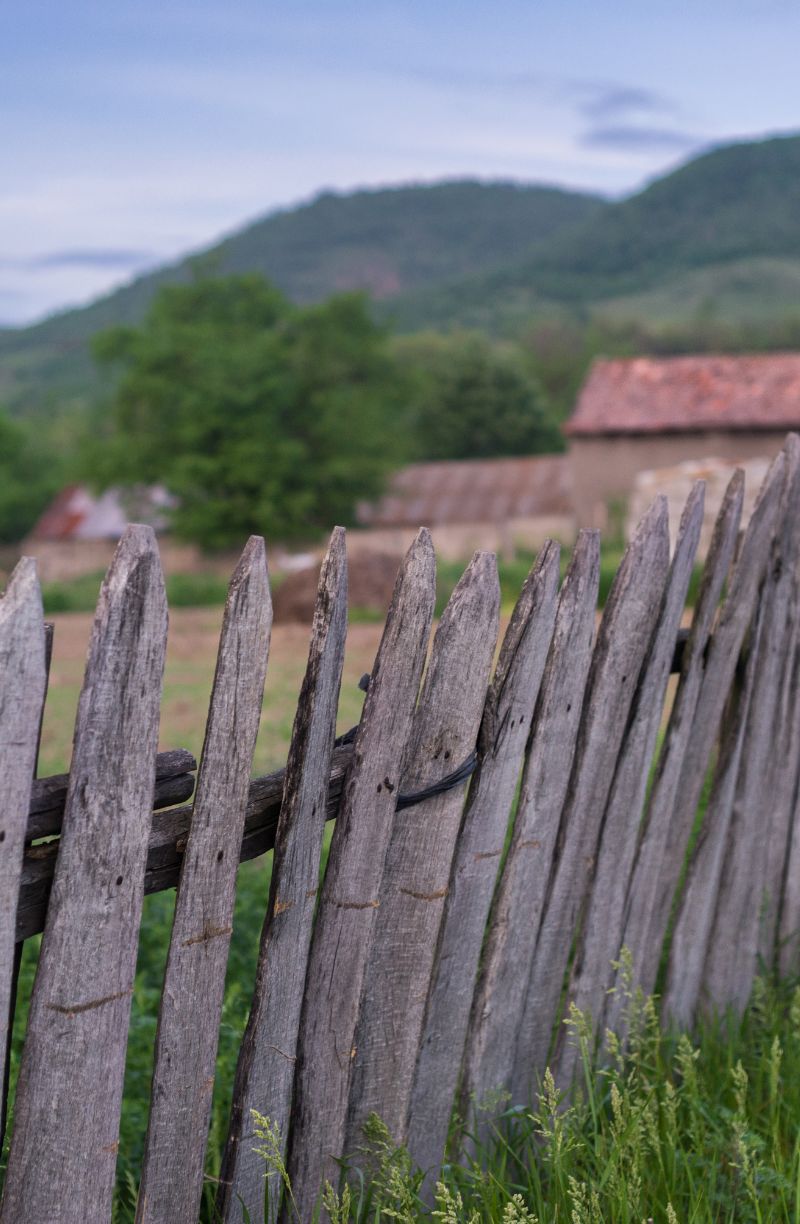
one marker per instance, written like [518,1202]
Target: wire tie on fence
[465,770]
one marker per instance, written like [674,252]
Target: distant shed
[482,503]
[637,414]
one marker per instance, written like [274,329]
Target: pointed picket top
[350,893]
[22,687]
[600,942]
[268,1054]
[738,613]
[418,862]
[505,728]
[194,982]
[78,1022]
[511,939]
[662,846]
[619,655]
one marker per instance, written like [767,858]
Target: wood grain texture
[168,837]
[22,688]
[685,986]
[662,846]
[505,728]
[767,756]
[601,937]
[420,855]
[785,749]
[48,795]
[516,912]
[735,619]
[66,1121]
[265,1071]
[350,894]
[619,654]
[194,982]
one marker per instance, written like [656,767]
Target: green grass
[183,591]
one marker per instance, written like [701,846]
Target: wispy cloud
[98,257]
[634,138]
[611,100]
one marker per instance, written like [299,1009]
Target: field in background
[191,656]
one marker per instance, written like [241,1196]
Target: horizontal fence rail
[548,798]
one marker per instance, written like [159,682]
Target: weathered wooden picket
[454,928]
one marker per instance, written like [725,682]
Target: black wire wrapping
[465,770]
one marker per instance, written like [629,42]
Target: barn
[637,414]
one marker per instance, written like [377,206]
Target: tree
[258,415]
[28,479]
[475,400]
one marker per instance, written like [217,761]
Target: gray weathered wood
[789,919]
[735,618]
[174,784]
[22,688]
[350,893]
[785,753]
[500,993]
[601,936]
[758,804]
[12,1001]
[66,1116]
[662,846]
[420,855]
[194,982]
[619,654]
[685,985]
[268,1054]
[168,837]
[504,733]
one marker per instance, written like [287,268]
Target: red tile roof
[687,394]
[473,491]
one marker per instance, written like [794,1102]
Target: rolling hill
[722,233]
[384,241]
[718,238]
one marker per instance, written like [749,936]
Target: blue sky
[134,130]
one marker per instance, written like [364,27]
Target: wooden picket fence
[431,967]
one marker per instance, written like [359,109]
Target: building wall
[605,467]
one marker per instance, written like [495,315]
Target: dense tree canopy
[28,479]
[472,399]
[258,415]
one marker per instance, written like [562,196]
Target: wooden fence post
[22,688]
[418,862]
[66,1118]
[500,994]
[504,733]
[692,929]
[733,945]
[350,893]
[268,1055]
[662,843]
[194,982]
[600,940]
[619,655]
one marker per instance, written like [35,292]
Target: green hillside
[383,241]
[721,235]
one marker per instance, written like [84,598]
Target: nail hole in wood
[220,854]
[119,880]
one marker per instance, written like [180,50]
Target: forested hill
[718,239]
[383,241]
[719,235]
